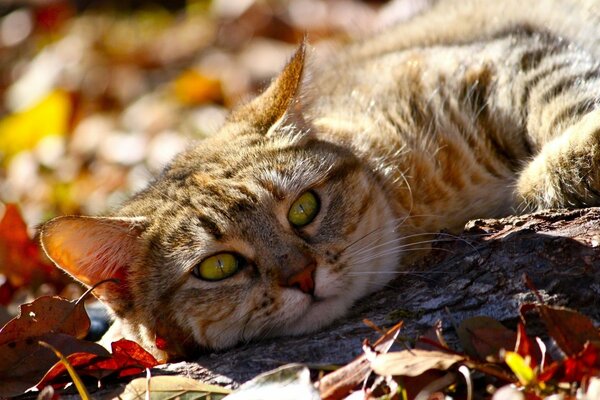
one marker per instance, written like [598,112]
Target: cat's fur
[473,109]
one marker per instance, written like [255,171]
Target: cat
[316,193]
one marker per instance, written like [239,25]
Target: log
[479,273]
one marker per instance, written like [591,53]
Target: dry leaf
[24,362]
[413,362]
[483,336]
[570,329]
[339,383]
[57,321]
[170,387]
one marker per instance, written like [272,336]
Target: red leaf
[584,364]
[570,329]
[21,260]
[128,358]
[128,351]
[525,348]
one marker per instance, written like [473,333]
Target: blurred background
[97,96]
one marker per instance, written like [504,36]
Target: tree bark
[479,273]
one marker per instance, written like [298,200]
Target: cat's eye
[217,267]
[304,210]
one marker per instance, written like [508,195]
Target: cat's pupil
[304,210]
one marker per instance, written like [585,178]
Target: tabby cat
[314,194]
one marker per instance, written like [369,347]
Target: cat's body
[473,109]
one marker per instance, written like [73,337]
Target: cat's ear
[92,249]
[278,99]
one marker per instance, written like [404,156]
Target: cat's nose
[303,280]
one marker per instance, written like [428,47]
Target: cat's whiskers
[399,248]
[364,249]
[395,222]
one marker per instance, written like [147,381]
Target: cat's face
[261,230]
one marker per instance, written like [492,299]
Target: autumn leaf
[21,260]
[570,329]
[339,383]
[53,320]
[24,129]
[483,336]
[192,87]
[170,387]
[414,362]
[127,358]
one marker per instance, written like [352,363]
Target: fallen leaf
[340,383]
[170,387]
[526,348]
[44,315]
[192,87]
[483,336]
[24,129]
[81,389]
[570,329]
[290,382]
[24,362]
[584,365]
[413,362]
[21,260]
[54,320]
[127,358]
[520,367]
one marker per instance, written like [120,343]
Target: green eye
[217,267]
[304,210]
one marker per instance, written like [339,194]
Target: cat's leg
[566,172]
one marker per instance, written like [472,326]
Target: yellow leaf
[191,87]
[519,367]
[23,130]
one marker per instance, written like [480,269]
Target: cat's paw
[566,172]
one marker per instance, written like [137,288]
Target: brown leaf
[339,384]
[47,314]
[570,329]
[483,336]
[24,362]
[413,362]
[54,320]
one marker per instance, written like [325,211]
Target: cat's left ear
[92,249]
[280,99]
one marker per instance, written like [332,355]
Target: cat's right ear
[281,98]
[92,249]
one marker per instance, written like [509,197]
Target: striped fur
[473,109]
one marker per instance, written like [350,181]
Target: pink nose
[303,280]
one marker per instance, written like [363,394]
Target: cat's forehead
[222,184]
[280,166]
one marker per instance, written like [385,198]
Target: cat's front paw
[566,172]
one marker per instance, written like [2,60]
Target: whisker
[399,250]
[366,249]
[396,222]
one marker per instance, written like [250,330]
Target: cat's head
[264,229]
